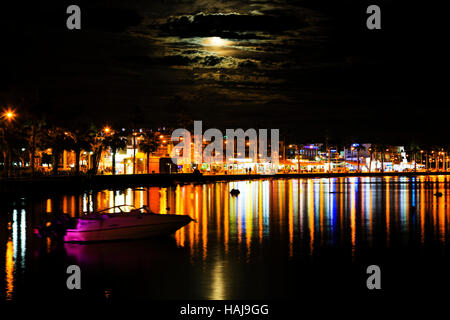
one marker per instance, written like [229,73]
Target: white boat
[122,223]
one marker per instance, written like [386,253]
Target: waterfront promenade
[98,182]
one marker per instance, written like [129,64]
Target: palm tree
[58,140]
[81,143]
[80,140]
[35,112]
[359,148]
[115,142]
[34,129]
[148,144]
[370,158]
[346,145]
[8,135]
[380,148]
[35,138]
[414,149]
[96,137]
[427,151]
[134,150]
[5,146]
[437,151]
[431,157]
[11,144]
[326,148]
[446,152]
[298,148]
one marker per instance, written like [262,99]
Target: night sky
[310,68]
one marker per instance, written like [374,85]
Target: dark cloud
[229,25]
[248,64]
[179,60]
[212,60]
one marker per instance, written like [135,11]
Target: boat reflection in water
[275,237]
[121,256]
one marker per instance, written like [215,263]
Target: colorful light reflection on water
[297,217]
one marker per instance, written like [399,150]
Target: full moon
[216,41]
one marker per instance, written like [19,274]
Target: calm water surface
[277,239]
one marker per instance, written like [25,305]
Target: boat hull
[126,228]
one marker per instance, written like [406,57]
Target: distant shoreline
[99,182]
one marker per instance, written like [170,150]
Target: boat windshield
[118,209]
[121,209]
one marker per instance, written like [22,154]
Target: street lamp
[421,157]
[9,115]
